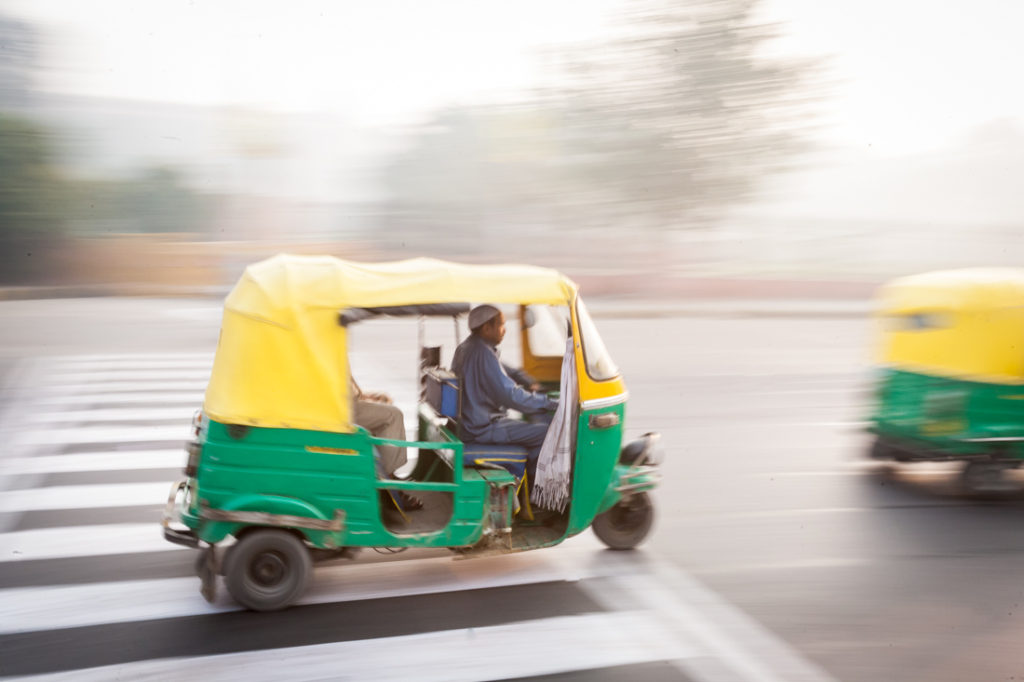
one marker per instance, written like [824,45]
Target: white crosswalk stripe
[121,414]
[149,375]
[539,647]
[191,399]
[63,606]
[63,567]
[84,496]
[129,433]
[77,541]
[94,461]
[114,384]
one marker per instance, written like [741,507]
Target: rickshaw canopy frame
[282,357]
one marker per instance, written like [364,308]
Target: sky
[373,61]
[909,76]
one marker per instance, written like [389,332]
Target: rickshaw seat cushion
[510,457]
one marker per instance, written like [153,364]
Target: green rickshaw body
[314,474]
[950,381]
[330,477]
[933,417]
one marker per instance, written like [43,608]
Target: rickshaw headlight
[655,450]
[643,450]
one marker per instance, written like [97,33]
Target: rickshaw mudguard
[628,479]
[214,525]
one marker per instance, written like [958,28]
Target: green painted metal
[948,416]
[314,474]
[597,453]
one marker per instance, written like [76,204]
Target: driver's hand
[535,387]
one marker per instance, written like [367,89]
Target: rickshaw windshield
[600,365]
[547,328]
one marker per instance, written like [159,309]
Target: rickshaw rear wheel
[267,570]
[625,525]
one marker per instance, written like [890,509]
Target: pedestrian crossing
[90,590]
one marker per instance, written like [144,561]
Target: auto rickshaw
[950,384]
[278,477]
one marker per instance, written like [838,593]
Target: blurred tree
[472,171]
[18,54]
[156,200]
[685,114]
[159,201]
[662,128]
[30,201]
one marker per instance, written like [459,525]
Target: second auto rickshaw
[951,377]
[278,476]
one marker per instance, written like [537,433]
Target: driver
[489,388]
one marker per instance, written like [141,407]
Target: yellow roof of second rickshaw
[274,289]
[282,357]
[962,289]
[966,323]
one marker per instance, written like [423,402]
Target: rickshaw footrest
[181,537]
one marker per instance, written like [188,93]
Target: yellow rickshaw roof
[962,289]
[272,288]
[282,357]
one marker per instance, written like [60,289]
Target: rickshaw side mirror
[529,317]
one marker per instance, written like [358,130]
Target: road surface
[778,554]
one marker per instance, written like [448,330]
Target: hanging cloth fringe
[554,464]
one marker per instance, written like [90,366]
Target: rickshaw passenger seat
[510,457]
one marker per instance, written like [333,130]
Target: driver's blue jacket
[488,391]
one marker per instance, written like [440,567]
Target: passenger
[376,413]
[489,389]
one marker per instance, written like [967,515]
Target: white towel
[554,464]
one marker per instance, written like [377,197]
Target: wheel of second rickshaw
[983,480]
[625,525]
[268,570]
[880,450]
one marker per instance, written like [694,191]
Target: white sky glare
[911,75]
[373,60]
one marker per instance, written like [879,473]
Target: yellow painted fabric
[282,356]
[967,324]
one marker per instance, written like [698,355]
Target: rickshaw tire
[627,524]
[880,450]
[200,562]
[274,557]
[985,481]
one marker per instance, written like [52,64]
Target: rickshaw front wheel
[267,570]
[625,525]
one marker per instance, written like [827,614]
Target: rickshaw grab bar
[176,535]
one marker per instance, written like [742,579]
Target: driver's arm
[508,393]
[520,377]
